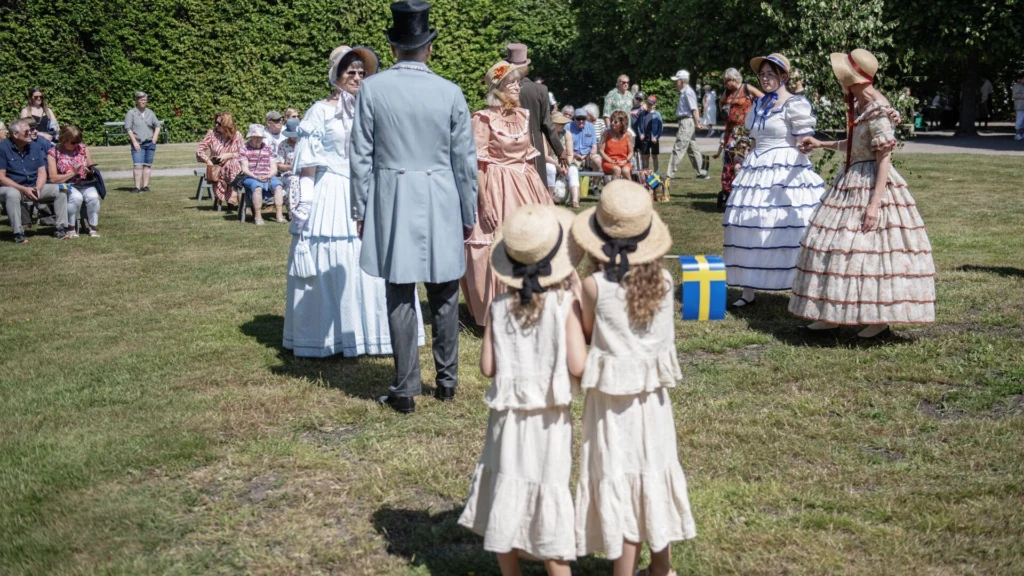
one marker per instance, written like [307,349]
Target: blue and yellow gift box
[703,287]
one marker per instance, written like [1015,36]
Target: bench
[116,129]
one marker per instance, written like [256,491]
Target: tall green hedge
[196,57]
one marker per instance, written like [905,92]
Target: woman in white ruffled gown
[776,190]
[332,306]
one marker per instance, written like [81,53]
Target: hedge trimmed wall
[197,57]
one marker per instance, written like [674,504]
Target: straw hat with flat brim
[624,212]
[559,118]
[857,67]
[774,58]
[535,233]
[367,55]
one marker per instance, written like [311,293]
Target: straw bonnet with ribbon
[775,58]
[533,251]
[367,55]
[497,73]
[857,67]
[622,230]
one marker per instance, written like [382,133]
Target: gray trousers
[685,144]
[443,300]
[12,201]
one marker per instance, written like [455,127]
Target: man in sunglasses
[619,98]
[23,175]
[584,142]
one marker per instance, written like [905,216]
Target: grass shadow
[769,314]
[365,377]
[709,207]
[437,543]
[1004,271]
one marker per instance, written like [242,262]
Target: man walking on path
[688,117]
[535,98]
[414,196]
[619,98]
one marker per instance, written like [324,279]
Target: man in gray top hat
[414,194]
[535,98]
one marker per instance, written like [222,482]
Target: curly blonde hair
[645,288]
[527,315]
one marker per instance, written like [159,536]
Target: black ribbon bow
[618,250]
[532,273]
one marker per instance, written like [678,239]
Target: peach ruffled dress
[509,179]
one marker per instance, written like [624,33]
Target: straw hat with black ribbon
[370,61]
[623,229]
[533,250]
[857,67]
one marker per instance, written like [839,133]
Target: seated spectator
[290,113]
[274,124]
[23,176]
[143,129]
[38,110]
[584,142]
[617,147]
[36,137]
[3,130]
[260,170]
[286,157]
[69,163]
[572,172]
[568,111]
[221,147]
[594,117]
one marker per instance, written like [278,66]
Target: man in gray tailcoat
[414,195]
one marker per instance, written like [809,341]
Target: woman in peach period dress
[508,179]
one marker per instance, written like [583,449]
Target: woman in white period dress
[775,191]
[710,107]
[332,306]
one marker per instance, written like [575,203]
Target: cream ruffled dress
[883,276]
[631,485]
[519,497]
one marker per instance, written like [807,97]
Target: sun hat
[273,115]
[682,75]
[368,56]
[622,229]
[775,58]
[499,71]
[580,113]
[533,249]
[639,95]
[256,130]
[559,118]
[291,128]
[857,67]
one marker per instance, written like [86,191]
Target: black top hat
[411,28]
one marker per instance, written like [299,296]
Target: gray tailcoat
[414,182]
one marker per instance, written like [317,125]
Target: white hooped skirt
[342,309]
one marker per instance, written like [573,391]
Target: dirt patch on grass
[886,454]
[330,437]
[1013,407]
[939,410]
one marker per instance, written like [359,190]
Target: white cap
[256,130]
[682,75]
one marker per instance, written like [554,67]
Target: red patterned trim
[875,230]
[806,247]
[806,271]
[806,297]
[860,323]
[863,206]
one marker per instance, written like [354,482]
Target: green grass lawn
[150,423]
[181,155]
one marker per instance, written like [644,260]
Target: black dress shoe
[403,405]
[444,393]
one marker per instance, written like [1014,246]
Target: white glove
[303,202]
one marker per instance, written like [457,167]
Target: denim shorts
[145,154]
[251,184]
